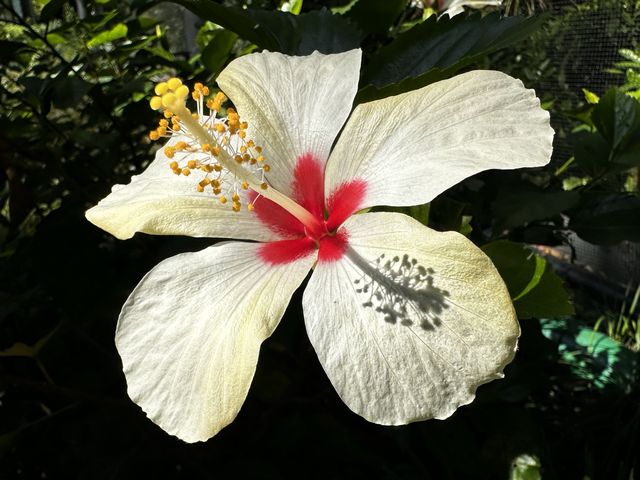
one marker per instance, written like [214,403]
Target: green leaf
[117,32]
[519,205]
[534,287]
[217,52]
[608,219]
[438,48]
[591,152]
[293,6]
[375,16]
[617,118]
[327,33]
[51,9]
[67,92]
[9,48]
[629,157]
[593,356]
[590,97]
[281,31]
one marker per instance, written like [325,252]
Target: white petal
[294,105]
[162,203]
[411,147]
[190,333]
[447,330]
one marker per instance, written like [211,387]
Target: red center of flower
[308,191]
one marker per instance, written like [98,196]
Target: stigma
[210,143]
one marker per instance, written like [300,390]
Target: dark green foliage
[535,289]
[376,16]
[281,31]
[438,48]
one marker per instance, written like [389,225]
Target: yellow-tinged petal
[411,147]
[410,321]
[161,203]
[293,105]
[190,333]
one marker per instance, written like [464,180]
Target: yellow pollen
[186,172]
[182,91]
[236,207]
[223,199]
[217,167]
[264,185]
[245,185]
[164,123]
[266,167]
[260,158]
[169,151]
[161,88]
[235,197]
[167,114]
[192,164]
[155,103]
[173,83]
[258,149]
[173,165]
[250,207]
[200,188]
[154,135]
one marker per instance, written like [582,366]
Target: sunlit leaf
[117,32]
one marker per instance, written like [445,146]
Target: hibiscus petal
[190,333]
[411,147]
[410,321]
[294,105]
[162,203]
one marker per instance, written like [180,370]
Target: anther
[174,83]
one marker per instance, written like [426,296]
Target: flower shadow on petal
[400,290]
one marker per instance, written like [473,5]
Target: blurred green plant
[630,68]
[625,326]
